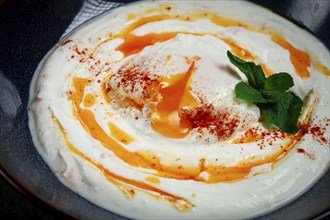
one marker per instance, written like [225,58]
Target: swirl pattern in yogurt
[135,111]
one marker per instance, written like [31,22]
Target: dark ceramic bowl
[28,29]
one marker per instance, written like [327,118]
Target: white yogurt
[107,178]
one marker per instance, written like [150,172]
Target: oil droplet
[153,179]
[89,100]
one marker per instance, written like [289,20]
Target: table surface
[18,18]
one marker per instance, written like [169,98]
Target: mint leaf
[246,92]
[284,113]
[279,82]
[253,73]
[275,85]
[270,94]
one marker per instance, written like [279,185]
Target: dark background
[28,29]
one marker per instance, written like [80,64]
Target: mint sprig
[276,104]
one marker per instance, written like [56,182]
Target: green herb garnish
[276,104]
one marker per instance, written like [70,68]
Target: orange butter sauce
[122,183]
[153,179]
[248,137]
[217,173]
[320,67]
[266,71]
[128,48]
[119,134]
[89,100]
[300,59]
[166,121]
[245,54]
[238,50]
[134,44]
